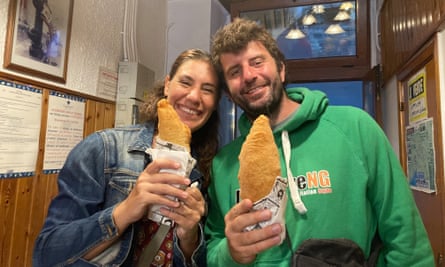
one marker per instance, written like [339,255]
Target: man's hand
[244,246]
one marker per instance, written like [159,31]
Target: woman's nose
[194,94]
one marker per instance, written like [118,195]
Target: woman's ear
[166,84]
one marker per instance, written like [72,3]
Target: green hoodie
[349,180]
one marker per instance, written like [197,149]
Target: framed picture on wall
[37,38]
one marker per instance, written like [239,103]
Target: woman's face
[192,92]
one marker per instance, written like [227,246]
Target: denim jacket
[98,174]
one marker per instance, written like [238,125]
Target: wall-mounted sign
[417,101]
[421,156]
[20,116]
[64,129]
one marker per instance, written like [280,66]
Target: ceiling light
[295,34]
[346,6]
[318,9]
[342,15]
[309,20]
[334,29]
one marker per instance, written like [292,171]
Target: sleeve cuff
[107,225]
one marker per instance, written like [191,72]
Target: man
[350,183]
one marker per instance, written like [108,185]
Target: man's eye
[234,73]
[257,62]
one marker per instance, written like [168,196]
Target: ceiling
[226,3]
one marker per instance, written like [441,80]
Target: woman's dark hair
[205,141]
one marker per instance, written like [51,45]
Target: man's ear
[166,84]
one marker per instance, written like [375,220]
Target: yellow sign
[417,101]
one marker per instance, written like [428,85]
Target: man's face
[253,80]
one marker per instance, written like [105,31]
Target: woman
[108,183]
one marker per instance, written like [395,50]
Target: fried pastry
[259,161]
[170,126]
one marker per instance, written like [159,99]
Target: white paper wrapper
[276,202]
[177,153]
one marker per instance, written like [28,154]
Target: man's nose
[249,74]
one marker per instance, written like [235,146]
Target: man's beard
[270,106]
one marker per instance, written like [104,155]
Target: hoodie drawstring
[294,192]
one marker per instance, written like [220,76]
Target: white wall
[191,24]
[166,28]
[390,113]
[163,30]
[389,92]
[152,35]
[374,7]
[96,41]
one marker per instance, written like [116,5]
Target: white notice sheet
[64,129]
[421,156]
[20,116]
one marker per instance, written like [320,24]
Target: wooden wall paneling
[51,189]
[90,115]
[99,116]
[3,207]
[19,235]
[39,203]
[405,26]
[440,5]
[109,116]
[9,188]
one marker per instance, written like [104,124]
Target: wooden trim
[34,83]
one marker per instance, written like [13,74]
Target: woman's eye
[185,83]
[208,90]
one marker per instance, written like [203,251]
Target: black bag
[334,252]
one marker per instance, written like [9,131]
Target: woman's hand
[187,217]
[152,187]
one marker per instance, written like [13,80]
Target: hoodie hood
[313,104]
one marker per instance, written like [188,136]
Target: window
[322,40]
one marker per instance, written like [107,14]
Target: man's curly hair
[234,37]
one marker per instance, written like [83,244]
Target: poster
[20,116]
[64,129]
[417,101]
[421,156]
[107,84]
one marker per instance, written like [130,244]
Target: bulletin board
[31,113]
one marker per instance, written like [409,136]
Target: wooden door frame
[428,53]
